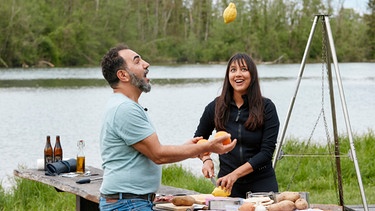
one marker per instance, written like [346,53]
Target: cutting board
[201,198]
[170,206]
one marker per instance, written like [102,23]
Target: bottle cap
[80,143]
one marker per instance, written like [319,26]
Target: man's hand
[218,147]
[194,140]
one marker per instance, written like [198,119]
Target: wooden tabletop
[89,191]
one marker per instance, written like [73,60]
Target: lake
[69,102]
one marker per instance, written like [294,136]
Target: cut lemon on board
[230,13]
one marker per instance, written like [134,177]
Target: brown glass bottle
[57,150]
[48,153]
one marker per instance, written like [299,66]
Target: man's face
[137,69]
[141,83]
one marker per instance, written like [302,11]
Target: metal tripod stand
[331,52]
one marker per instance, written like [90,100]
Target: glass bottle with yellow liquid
[80,157]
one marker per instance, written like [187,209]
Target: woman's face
[239,76]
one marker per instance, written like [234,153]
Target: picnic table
[87,195]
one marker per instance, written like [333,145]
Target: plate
[263,200]
[267,203]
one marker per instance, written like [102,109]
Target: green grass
[307,174]
[316,174]
[29,195]
[176,176]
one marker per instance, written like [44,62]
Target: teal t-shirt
[125,169]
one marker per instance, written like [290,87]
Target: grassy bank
[309,174]
[316,174]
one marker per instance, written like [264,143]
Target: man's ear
[123,75]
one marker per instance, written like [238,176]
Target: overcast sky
[358,5]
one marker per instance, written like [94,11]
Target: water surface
[69,102]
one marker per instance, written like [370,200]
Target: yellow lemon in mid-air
[230,13]
[219,191]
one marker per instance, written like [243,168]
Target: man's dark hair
[111,63]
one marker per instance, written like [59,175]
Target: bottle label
[47,160]
[58,158]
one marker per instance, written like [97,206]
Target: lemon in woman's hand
[230,13]
[219,191]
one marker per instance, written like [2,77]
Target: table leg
[83,204]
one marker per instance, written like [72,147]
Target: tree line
[74,33]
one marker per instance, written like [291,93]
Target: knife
[213,180]
[87,180]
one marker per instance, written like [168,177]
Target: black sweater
[256,147]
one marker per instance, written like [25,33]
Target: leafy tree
[370,22]
[79,32]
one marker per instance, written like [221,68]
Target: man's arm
[161,154]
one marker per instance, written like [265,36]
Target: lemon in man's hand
[202,141]
[230,13]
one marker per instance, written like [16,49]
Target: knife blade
[213,180]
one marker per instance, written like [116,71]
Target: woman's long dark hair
[254,95]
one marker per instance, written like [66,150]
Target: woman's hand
[227,181]
[208,167]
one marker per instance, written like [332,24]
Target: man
[130,148]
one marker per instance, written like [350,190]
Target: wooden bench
[87,195]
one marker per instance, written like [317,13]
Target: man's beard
[140,83]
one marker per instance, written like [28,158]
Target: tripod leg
[307,49]
[338,177]
[345,110]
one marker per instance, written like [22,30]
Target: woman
[242,111]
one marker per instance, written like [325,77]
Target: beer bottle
[48,153]
[80,157]
[57,150]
